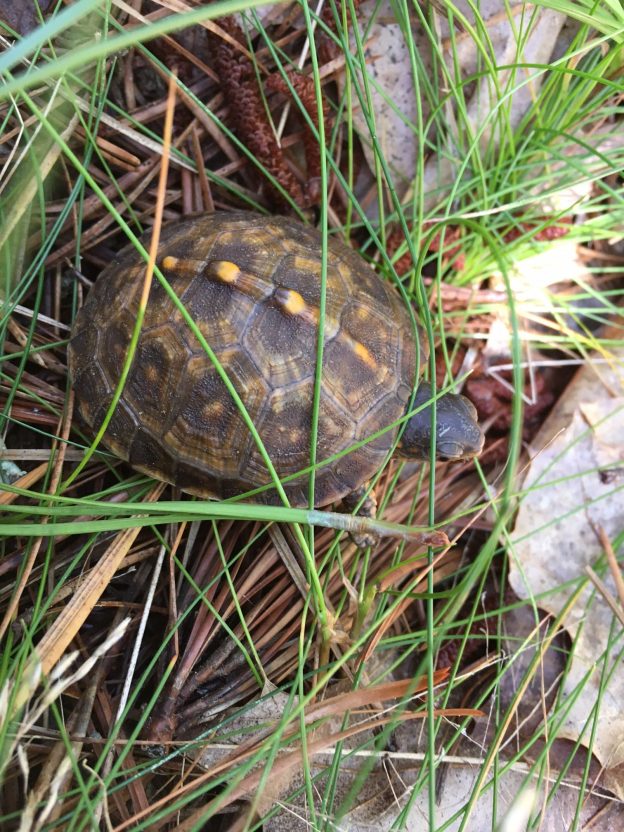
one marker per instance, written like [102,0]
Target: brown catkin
[247,113]
[304,88]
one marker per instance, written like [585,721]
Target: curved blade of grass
[224,511]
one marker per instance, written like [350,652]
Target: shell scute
[158,365]
[95,391]
[150,455]
[284,427]
[122,426]
[279,345]
[252,251]
[113,345]
[206,425]
[294,270]
[219,311]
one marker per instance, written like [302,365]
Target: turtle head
[458,435]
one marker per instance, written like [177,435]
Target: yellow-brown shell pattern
[252,285]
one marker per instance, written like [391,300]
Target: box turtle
[252,285]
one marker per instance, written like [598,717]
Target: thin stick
[613,562]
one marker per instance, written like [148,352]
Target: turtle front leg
[368,509]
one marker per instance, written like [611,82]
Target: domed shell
[253,286]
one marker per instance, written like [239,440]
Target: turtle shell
[252,284]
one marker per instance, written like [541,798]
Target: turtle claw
[368,508]
[364,539]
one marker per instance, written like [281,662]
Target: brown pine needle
[64,629]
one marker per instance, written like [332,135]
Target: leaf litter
[573,488]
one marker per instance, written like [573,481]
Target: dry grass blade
[27,191]
[64,428]
[604,591]
[56,773]
[20,697]
[60,635]
[160,205]
[365,696]
[437,565]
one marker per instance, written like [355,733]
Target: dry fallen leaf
[398,105]
[532,276]
[574,486]
[507,27]
[394,100]
[388,791]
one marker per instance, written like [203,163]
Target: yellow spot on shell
[364,353]
[291,301]
[178,264]
[226,271]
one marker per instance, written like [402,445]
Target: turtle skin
[252,285]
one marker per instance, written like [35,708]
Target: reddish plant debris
[393,242]
[327,48]
[451,255]
[551,232]
[473,648]
[493,401]
[480,633]
[457,354]
[23,17]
